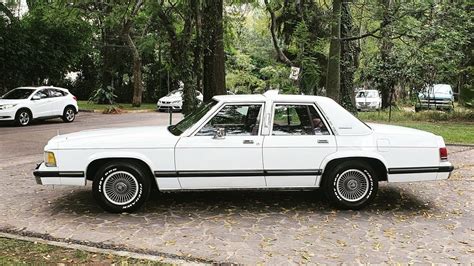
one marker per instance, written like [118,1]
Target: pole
[169,109]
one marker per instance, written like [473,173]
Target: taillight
[74,97]
[443,154]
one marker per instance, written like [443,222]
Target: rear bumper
[44,177]
[412,174]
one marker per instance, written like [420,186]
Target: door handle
[248,141]
[323,141]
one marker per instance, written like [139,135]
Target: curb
[459,145]
[103,248]
[123,111]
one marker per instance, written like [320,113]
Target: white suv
[24,104]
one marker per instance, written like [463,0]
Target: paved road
[408,223]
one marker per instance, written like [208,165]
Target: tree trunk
[386,85]
[273,24]
[333,69]
[214,60]
[137,72]
[198,45]
[348,61]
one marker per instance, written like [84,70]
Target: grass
[454,127]
[86,105]
[23,252]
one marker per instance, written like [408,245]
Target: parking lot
[408,223]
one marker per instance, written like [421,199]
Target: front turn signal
[49,159]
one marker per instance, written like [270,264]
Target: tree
[137,60]
[214,59]
[333,76]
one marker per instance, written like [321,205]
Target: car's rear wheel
[23,117]
[69,114]
[350,185]
[121,187]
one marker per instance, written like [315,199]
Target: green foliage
[43,46]
[103,95]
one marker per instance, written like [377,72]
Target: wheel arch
[96,163]
[375,161]
[24,108]
[71,105]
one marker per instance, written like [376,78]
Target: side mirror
[35,98]
[220,133]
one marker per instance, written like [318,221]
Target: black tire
[23,117]
[121,187]
[69,114]
[350,185]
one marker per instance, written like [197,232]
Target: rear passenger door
[57,102]
[299,140]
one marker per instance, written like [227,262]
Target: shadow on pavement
[264,202]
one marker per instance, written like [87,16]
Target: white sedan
[24,104]
[173,101]
[268,141]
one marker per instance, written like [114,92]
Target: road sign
[295,71]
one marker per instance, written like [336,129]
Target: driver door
[230,159]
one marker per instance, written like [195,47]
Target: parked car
[438,97]
[368,100]
[267,141]
[25,104]
[174,100]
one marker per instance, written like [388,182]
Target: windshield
[17,94]
[367,94]
[175,93]
[191,119]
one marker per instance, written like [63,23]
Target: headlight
[49,159]
[7,106]
[175,102]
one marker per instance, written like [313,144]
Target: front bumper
[45,176]
[434,104]
[7,115]
[367,106]
[169,106]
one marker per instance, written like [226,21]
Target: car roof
[41,87]
[272,95]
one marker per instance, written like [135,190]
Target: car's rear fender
[371,157]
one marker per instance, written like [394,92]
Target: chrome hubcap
[24,118]
[70,115]
[352,185]
[120,188]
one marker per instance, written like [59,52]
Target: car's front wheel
[350,185]
[69,114]
[121,187]
[23,117]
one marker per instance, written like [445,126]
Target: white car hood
[363,100]
[116,138]
[13,101]
[170,98]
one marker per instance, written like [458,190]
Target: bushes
[400,115]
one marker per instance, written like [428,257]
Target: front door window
[235,120]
